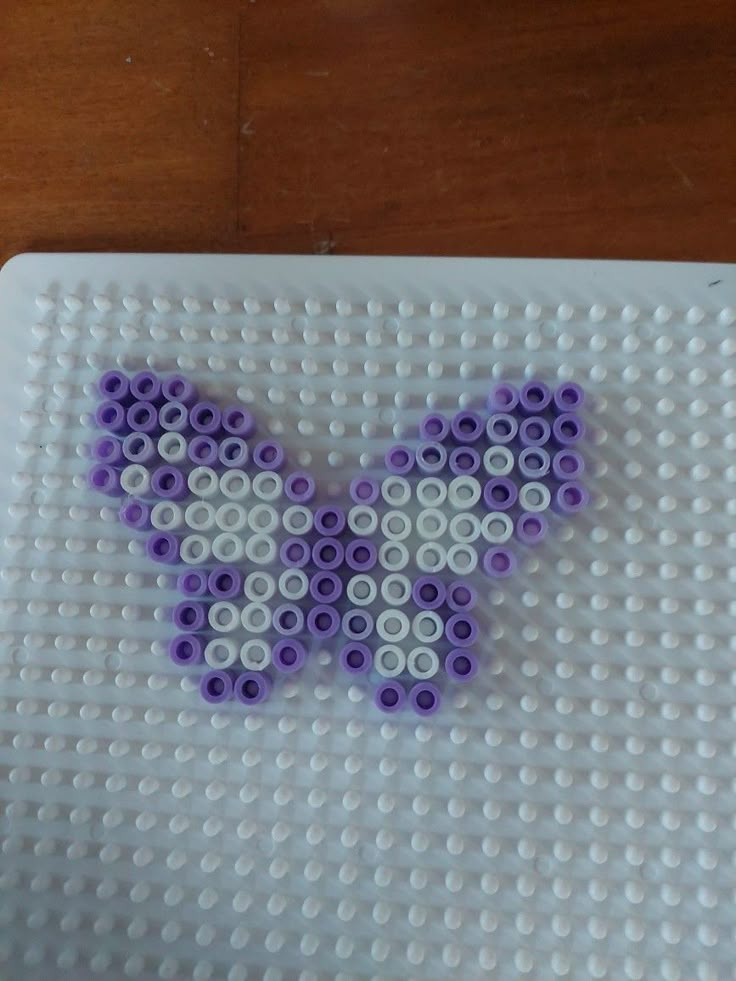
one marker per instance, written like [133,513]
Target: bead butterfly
[265,574]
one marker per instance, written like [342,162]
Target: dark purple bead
[190,615]
[136,515]
[114,385]
[501,429]
[390,696]
[203,451]
[288,656]
[192,583]
[434,427]
[329,520]
[500,494]
[179,389]
[534,398]
[568,397]
[237,421]
[294,553]
[461,630]
[399,460]
[216,687]
[168,483]
[205,418]
[361,555]
[357,624]
[466,426]
[142,417]
[570,497]
[174,417]
[425,698]
[567,429]
[364,490]
[288,619]
[139,448]
[461,665]
[299,487]
[464,461]
[104,479]
[325,587]
[531,528]
[111,416]
[533,462]
[232,452]
[225,583]
[252,687]
[503,398]
[108,450]
[162,546]
[146,387]
[461,597]
[534,431]
[269,455]
[567,465]
[428,592]
[323,621]
[499,562]
[356,658]
[186,649]
[327,553]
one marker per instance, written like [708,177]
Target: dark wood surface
[601,129]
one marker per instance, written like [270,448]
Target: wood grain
[486,128]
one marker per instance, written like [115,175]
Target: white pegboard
[571,814]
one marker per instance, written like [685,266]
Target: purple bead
[300,487]
[269,455]
[325,587]
[288,655]
[567,465]
[252,687]
[203,451]
[568,397]
[461,630]
[190,615]
[357,624]
[146,387]
[216,687]
[466,426]
[434,427]
[104,479]
[499,562]
[139,448]
[179,389]
[233,452]
[534,431]
[288,619]
[464,461]
[205,418]
[136,515]
[534,398]
[361,555]
[294,553]
[428,592]
[329,520]
[567,429]
[174,417]
[114,385]
[162,546]
[142,417]
[425,698]
[108,450]
[501,429]
[168,482]
[364,490]
[356,658]
[570,497]
[533,462]
[531,528]
[327,553]
[390,696]
[323,621]
[461,597]
[192,583]
[399,460]
[111,416]
[186,649]
[503,398]
[431,458]
[225,583]
[237,421]
[500,494]
[461,665]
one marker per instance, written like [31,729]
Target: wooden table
[573,128]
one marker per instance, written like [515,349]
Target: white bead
[431,492]
[293,584]
[255,654]
[362,590]
[463,493]
[228,547]
[172,448]
[235,485]
[166,516]
[427,626]
[195,550]
[267,486]
[362,520]
[462,559]
[135,480]
[431,524]
[263,519]
[393,556]
[297,520]
[203,482]
[200,516]
[221,652]
[396,589]
[431,557]
[534,496]
[496,527]
[396,491]
[259,587]
[422,663]
[396,525]
[231,517]
[224,617]
[465,527]
[498,461]
[261,549]
[393,625]
[256,617]
[389,660]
